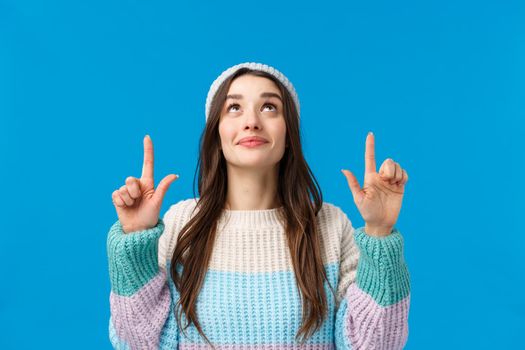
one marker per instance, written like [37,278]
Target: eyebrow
[264,94]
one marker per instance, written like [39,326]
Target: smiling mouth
[253,143]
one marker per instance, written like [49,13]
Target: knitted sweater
[249,298]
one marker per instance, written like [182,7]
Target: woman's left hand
[379,201]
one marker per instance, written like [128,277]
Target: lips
[252,140]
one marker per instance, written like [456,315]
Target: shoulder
[175,218]
[343,248]
[333,215]
[333,225]
[179,210]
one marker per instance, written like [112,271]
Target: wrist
[378,231]
[130,229]
[137,228]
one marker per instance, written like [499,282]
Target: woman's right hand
[137,203]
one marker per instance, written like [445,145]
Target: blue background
[441,84]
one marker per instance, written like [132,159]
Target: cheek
[226,133]
[279,130]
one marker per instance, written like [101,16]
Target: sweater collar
[252,218]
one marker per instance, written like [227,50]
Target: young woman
[258,260]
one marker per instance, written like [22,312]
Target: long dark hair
[299,193]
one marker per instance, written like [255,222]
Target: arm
[375,295]
[140,297]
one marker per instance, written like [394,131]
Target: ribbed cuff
[133,257]
[381,271]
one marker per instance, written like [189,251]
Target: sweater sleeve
[375,296]
[140,299]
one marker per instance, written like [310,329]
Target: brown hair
[297,190]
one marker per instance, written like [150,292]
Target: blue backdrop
[441,84]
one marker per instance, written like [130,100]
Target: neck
[252,189]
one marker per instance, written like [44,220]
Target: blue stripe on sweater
[252,308]
[117,343]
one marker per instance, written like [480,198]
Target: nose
[252,120]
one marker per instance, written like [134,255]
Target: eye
[272,105]
[231,105]
[237,106]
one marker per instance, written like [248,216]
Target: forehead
[249,85]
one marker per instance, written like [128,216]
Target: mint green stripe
[381,270]
[133,257]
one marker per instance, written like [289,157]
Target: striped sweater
[249,298]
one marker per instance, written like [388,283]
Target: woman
[258,260]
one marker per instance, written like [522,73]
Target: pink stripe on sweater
[138,319]
[369,325]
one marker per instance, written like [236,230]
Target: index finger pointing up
[147,166]
[370,157]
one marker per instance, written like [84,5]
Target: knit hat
[253,65]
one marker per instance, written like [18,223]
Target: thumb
[163,186]
[355,188]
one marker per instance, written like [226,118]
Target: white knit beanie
[253,65]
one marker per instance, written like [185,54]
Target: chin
[253,162]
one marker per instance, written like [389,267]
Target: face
[253,107]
